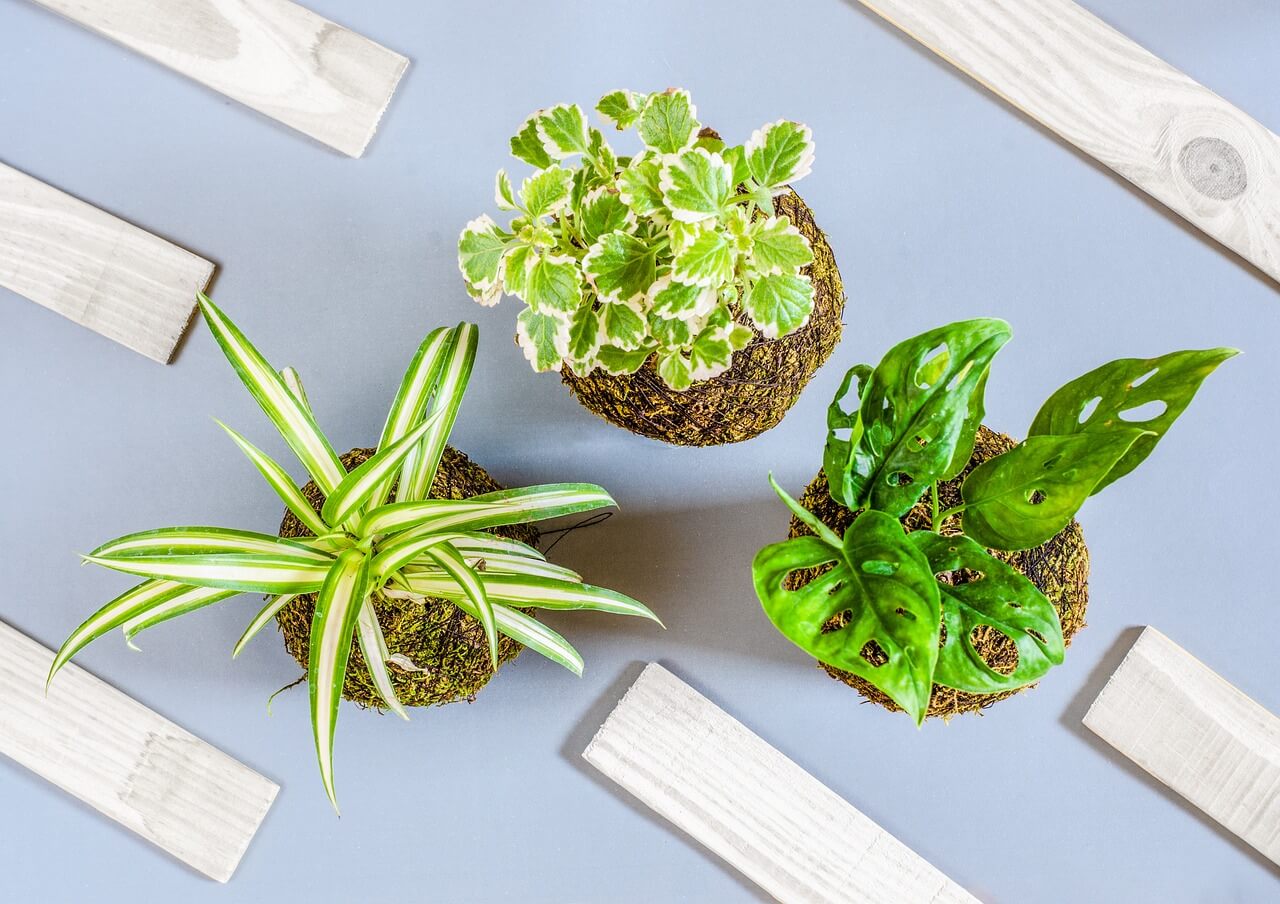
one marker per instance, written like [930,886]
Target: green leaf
[844,435]
[584,338]
[337,610]
[544,338]
[480,250]
[619,361]
[779,305]
[621,267]
[669,122]
[623,326]
[988,592]
[554,285]
[532,633]
[884,585]
[622,108]
[675,300]
[778,247]
[413,396]
[603,211]
[419,469]
[525,592]
[291,418]
[920,405]
[1113,397]
[710,354]
[469,580]
[639,187]
[361,484]
[278,573]
[190,600]
[669,332]
[546,193]
[806,517]
[503,196]
[563,130]
[676,370]
[261,620]
[374,647]
[516,264]
[502,563]
[505,507]
[696,185]
[706,262]
[779,153]
[526,145]
[1027,495]
[185,541]
[294,384]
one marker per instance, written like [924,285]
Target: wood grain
[95,269]
[275,56]
[791,835]
[120,757]
[1184,145]
[1181,722]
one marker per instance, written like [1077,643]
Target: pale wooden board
[704,771]
[1184,145]
[275,56]
[135,766]
[95,269]
[1180,721]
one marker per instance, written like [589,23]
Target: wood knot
[1214,168]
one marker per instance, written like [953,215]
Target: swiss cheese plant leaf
[696,185]
[669,122]
[1025,496]
[374,647]
[882,584]
[779,153]
[419,468]
[543,338]
[915,412]
[985,592]
[844,436]
[279,573]
[622,108]
[468,579]
[563,130]
[621,267]
[527,145]
[291,417]
[504,507]
[359,486]
[280,481]
[780,304]
[1149,393]
[338,606]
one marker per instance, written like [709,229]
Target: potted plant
[935,565]
[404,575]
[684,292]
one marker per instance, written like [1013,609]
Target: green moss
[1059,568]
[437,637]
[755,393]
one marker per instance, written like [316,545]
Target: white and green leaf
[619,361]
[563,130]
[526,144]
[780,304]
[603,211]
[707,261]
[480,250]
[469,580]
[228,571]
[544,338]
[187,541]
[261,620]
[373,644]
[777,246]
[191,599]
[674,300]
[518,506]
[669,122]
[503,195]
[622,108]
[778,154]
[281,482]
[350,496]
[553,285]
[675,370]
[526,591]
[546,193]
[696,185]
[620,267]
[419,468]
[584,338]
[639,187]
[623,326]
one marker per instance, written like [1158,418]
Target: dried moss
[765,380]
[1060,568]
[438,636]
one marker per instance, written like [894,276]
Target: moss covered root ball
[757,391]
[1060,568]
[448,645]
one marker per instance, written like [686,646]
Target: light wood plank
[1180,721]
[275,56]
[1184,145]
[120,757]
[704,771]
[95,269]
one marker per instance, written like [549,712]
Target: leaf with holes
[669,122]
[1150,393]
[1027,495]
[882,583]
[987,593]
[916,411]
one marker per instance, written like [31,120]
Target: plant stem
[947,514]
[933,508]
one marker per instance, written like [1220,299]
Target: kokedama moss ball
[1059,568]
[440,638]
[755,393]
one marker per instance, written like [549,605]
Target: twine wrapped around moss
[762,384]
[438,637]
[1059,568]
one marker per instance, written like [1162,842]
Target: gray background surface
[940,202]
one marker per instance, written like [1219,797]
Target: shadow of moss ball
[438,637]
[1059,568]
[755,393]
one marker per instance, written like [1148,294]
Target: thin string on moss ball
[589,521]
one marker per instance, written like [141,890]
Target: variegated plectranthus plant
[894,432]
[377,532]
[618,258]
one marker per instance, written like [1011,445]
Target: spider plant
[378,532]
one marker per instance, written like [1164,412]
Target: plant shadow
[1073,720]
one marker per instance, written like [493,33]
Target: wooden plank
[1180,721]
[1184,145]
[704,771]
[120,757]
[275,56]
[95,269]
